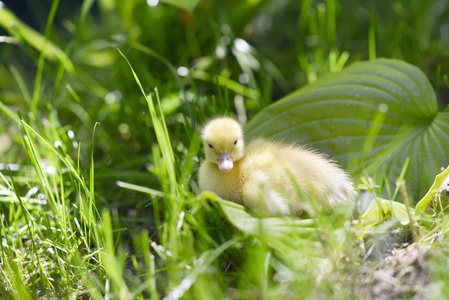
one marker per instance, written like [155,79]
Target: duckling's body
[276,177]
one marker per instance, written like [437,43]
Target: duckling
[268,176]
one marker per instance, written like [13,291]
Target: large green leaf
[270,227]
[370,116]
[284,235]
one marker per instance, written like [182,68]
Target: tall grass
[98,192]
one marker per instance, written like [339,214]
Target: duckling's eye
[235,143]
[210,146]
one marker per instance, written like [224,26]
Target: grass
[98,192]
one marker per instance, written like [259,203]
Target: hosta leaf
[284,235]
[269,227]
[335,115]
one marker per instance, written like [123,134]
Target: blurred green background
[62,71]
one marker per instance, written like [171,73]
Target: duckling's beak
[225,162]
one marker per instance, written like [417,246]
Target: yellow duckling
[275,177]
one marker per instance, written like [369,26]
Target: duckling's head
[223,142]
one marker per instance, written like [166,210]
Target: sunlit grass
[98,192]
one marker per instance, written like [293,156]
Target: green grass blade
[141,189]
[113,267]
[21,83]
[172,69]
[9,113]
[66,160]
[160,129]
[40,66]
[372,36]
[31,227]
